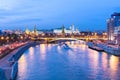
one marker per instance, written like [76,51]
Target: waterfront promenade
[109,48]
[8,64]
[4,61]
[4,64]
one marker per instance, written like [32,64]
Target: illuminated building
[7,31]
[66,30]
[27,31]
[60,30]
[18,32]
[113,26]
[110,29]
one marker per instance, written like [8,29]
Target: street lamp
[2,38]
[7,38]
[21,37]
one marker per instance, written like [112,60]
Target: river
[54,62]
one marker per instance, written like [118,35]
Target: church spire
[63,29]
[27,31]
[35,29]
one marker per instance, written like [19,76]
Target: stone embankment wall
[10,72]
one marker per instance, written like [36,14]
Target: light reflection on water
[53,62]
[43,51]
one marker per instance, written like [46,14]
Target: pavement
[4,61]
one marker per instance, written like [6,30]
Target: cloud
[29,20]
[56,11]
[8,4]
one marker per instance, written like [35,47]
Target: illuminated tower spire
[35,30]
[63,29]
[27,31]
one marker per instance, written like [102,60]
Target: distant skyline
[48,14]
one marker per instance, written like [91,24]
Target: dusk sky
[47,14]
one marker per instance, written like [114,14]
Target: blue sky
[47,14]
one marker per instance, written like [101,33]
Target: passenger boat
[91,45]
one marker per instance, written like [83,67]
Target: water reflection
[52,62]
[31,52]
[104,61]
[43,51]
[49,46]
[114,64]
[59,49]
[22,68]
[114,61]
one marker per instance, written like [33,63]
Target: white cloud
[6,4]
[9,4]
[54,11]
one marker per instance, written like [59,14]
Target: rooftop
[115,14]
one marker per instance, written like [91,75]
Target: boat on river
[104,47]
[64,45]
[93,46]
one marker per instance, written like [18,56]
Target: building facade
[66,30]
[113,27]
[110,29]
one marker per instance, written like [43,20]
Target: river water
[54,62]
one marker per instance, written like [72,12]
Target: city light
[59,40]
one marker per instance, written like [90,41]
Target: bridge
[60,39]
[56,39]
[52,39]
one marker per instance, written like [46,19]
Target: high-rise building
[110,29]
[113,26]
